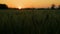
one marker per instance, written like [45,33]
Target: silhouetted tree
[53,6]
[59,7]
[3,6]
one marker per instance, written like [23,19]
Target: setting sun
[19,7]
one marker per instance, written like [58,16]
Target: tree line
[4,6]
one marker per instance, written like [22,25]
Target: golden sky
[30,3]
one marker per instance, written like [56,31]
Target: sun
[19,7]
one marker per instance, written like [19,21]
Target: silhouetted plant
[59,7]
[3,6]
[53,6]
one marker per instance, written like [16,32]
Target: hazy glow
[30,3]
[19,7]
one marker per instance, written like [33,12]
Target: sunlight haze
[30,3]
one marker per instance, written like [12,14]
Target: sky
[30,3]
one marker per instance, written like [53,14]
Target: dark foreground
[29,21]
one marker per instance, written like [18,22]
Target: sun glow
[19,7]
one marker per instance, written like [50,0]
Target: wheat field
[29,21]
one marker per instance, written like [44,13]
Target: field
[29,21]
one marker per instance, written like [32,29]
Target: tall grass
[29,21]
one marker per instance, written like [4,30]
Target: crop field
[29,21]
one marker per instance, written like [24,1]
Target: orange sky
[30,3]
